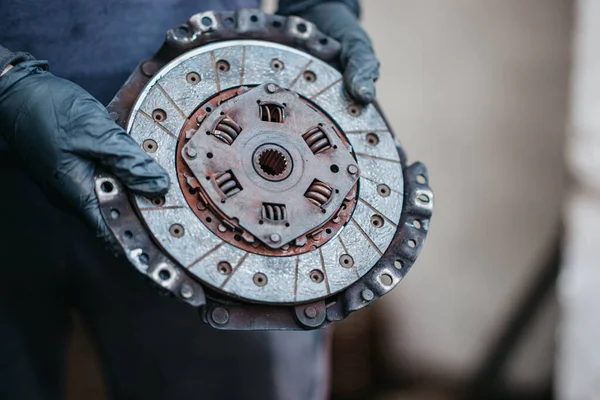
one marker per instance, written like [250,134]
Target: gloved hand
[62,134]
[339,20]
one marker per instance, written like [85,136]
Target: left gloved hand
[339,19]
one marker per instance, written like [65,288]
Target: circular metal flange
[284,192]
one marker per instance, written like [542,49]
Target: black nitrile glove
[339,19]
[62,134]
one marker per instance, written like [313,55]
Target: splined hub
[290,205]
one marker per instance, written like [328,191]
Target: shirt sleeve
[291,7]
[8,57]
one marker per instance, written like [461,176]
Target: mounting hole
[377,221]
[150,146]
[328,231]
[223,66]
[346,261]
[114,213]
[237,238]
[229,21]
[398,264]
[107,187]
[159,115]
[316,276]
[253,18]
[193,78]
[276,64]
[277,24]
[417,224]
[372,139]
[208,109]
[386,279]
[164,274]
[176,230]
[224,267]
[206,21]
[259,279]
[301,27]
[261,222]
[128,234]
[310,76]
[323,41]
[287,224]
[182,30]
[412,243]
[383,190]
[159,201]
[423,198]
[208,219]
[354,110]
[209,155]
[334,168]
[421,179]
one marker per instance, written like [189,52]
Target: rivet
[191,152]
[275,237]
[310,312]
[367,295]
[271,88]
[220,316]
[186,291]
[352,169]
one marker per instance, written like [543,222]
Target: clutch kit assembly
[290,206]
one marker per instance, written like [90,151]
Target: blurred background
[481,92]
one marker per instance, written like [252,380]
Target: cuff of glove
[7,58]
[297,7]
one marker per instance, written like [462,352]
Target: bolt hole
[206,21]
[287,224]
[354,110]
[224,267]
[149,146]
[372,139]
[208,219]
[193,78]
[182,30]
[253,18]
[159,201]
[346,261]
[328,231]
[277,24]
[377,221]
[208,109]
[209,155]
[261,222]
[335,169]
[310,76]
[386,279]
[164,274]
[276,64]
[383,190]
[324,41]
[107,187]
[128,234]
[316,276]
[223,66]
[176,230]
[423,198]
[159,115]
[229,21]
[237,238]
[260,279]
[301,27]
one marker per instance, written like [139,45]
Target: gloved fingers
[107,144]
[91,211]
[361,71]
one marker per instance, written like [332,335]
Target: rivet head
[186,291]
[310,312]
[352,169]
[220,316]
[275,238]
[367,295]
[191,152]
[271,88]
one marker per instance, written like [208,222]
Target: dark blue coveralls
[150,347]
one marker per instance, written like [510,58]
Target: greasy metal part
[262,130]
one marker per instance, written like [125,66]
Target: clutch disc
[290,206]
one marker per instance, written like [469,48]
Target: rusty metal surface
[194,99]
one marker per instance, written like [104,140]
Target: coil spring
[227,130]
[317,140]
[318,193]
[228,183]
[274,212]
[271,113]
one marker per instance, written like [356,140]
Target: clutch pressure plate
[290,206]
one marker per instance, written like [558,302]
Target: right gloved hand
[62,134]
